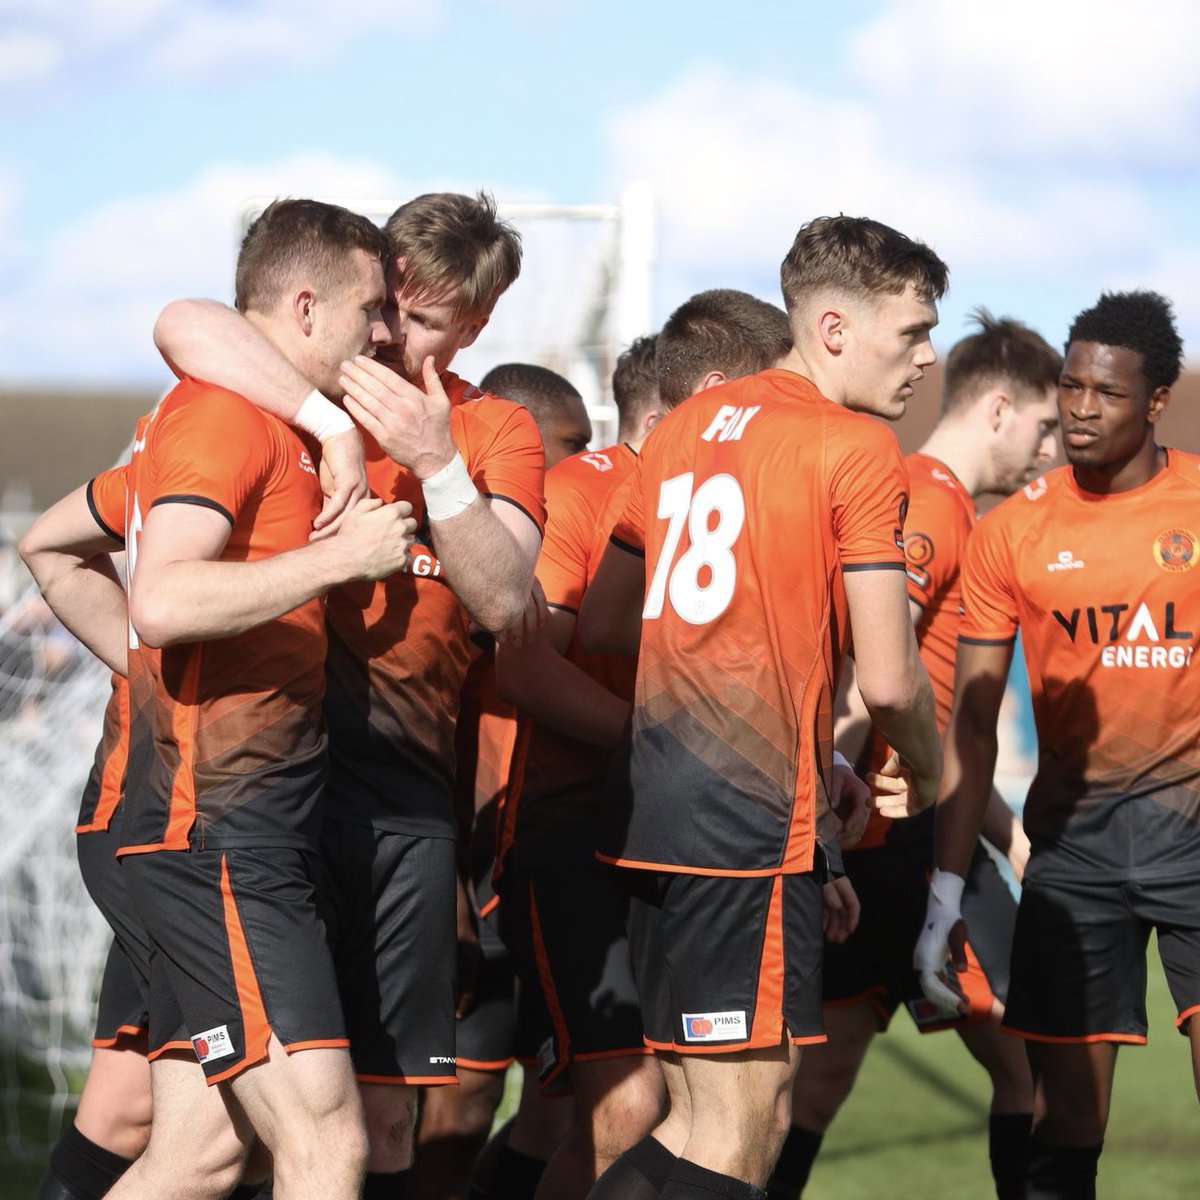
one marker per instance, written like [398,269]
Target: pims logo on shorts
[213,1043]
[714,1027]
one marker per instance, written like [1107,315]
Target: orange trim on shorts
[768,1002]
[401,1080]
[123,1031]
[167,1047]
[474,1064]
[1186,1015]
[490,907]
[549,994]
[815,1039]
[1128,1039]
[629,1052]
[638,864]
[318,1044]
[256,1030]
[872,996]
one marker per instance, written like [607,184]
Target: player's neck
[827,382]
[1124,475]
[963,454]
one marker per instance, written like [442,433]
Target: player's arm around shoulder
[68,551]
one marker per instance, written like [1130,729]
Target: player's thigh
[1173,906]
[393,933]
[828,1070]
[1074,1082]
[463,1111]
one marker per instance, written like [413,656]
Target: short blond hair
[455,244]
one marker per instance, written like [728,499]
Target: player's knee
[478,1103]
[390,1122]
[627,1114]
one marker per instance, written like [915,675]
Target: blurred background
[1047,150]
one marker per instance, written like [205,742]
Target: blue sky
[1047,150]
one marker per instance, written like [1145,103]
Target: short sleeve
[563,564]
[504,454]
[208,447]
[106,500]
[934,535]
[868,486]
[989,606]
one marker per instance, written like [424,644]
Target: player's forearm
[87,597]
[198,600]
[908,723]
[485,566]
[558,695]
[210,341]
[965,793]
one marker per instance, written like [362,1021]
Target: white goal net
[583,294]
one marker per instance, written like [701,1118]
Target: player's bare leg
[114,1107]
[199,1138]
[1004,1058]
[306,1109]
[390,1112]
[512,1163]
[452,1129]
[617,1102]
[829,1070]
[740,1109]
[673,1129]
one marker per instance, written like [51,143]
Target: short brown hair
[299,240]
[719,330]
[635,383]
[544,392]
[1003,351]
[453,243]
[861,257]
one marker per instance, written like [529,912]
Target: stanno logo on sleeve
[213,1043]
[597,459]
[306,463]
[1175,550]
[1066,561]
[715,1027]
[1037,489]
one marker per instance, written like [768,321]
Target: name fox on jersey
[729,423]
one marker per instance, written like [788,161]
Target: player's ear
[303,306]
[471,331]
[649,420]
[1159,399]
[711,380]
[832,327]
[999,407]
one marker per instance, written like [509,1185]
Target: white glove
[943,922]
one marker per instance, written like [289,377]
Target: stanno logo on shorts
[1066,561]
[213,1043]
[443,1060]
[714,1027]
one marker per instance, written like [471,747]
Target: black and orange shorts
[727,963]
[237,952]
[1079,957]
[391,903]
[122,1017]
[875,962]
[566,931]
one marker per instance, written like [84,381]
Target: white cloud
[1037,81]
[84,309]
[46,39]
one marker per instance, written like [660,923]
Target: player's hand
[412,426]
[841,909]
[343,477]
[943,943]
[531,620]
[894,791]
[375,538]
[850,799]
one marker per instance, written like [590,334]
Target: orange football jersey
[1105,590]
[560,787]
[398,649]
[941,515]
[226,740]
[106,780]
[751,501]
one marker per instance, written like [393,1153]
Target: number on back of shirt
[700,584]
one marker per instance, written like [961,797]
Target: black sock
[1062,1172]
[640,1173]
[1008,1150]
[690,1181]
[515,1178]
[80,1170]
[380,1186]
[252,1191]
[790,1177]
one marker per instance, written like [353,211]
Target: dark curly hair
[1141,321]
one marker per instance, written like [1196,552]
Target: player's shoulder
[474,406]
[204,407]
[593,466]
[1185,466]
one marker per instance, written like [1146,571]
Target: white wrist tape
[839,759]
[946,890]
[320,417]
[450,491]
